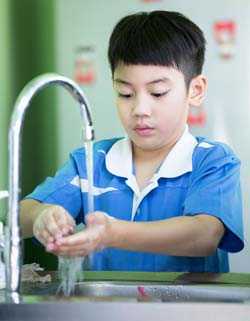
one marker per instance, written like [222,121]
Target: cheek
[172,113]
[123,111]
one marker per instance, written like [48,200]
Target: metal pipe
[13,257]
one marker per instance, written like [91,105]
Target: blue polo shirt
[197,176]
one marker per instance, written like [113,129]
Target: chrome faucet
[13,256]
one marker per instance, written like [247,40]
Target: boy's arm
[180,236]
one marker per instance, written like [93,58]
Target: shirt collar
[178,161]
[119,158]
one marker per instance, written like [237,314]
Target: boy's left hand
[93,237]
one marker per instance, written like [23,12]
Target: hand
[93,237]
[52,223]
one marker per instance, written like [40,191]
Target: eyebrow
[163,79]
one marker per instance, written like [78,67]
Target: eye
[124,95]
[157,95]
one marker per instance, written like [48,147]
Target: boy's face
[152,103]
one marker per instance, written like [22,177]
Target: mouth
[144,130]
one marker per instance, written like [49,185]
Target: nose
[141,107]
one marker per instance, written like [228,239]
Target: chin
[147,145]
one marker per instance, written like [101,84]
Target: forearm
[28,215]
[180,236]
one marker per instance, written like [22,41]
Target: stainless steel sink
[153,297]
[164,292]
[143,291]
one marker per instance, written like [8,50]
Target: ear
[197,90]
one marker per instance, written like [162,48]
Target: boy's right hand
[52,223]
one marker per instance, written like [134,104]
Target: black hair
[162,38]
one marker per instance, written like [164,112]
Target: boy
[164,200]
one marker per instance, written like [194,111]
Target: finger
[44,220]
[75,239]
[52,227]
[38,232]
[90,219]
[63,248]
[64,220]
[51,247]
[96,218]
[65,227]
[61,214]
[44,237]
[39,237]
[70,220]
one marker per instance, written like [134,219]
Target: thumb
[96,218]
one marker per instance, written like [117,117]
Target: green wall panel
[33,54]
[32,48]
[5,95]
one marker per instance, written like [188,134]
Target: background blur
[71,38]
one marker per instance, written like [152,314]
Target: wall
[27,50]
[33,54]
[90,22]
[5,96]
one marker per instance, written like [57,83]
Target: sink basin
[163,292]
[142,292]
[123,296]
[151,287]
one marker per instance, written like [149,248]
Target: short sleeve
[215,190]
[61,189]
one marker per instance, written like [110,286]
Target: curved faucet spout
[13,258]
